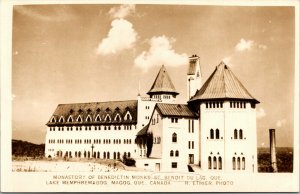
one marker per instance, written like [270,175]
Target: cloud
[244,45]
[160,52]
[260,113]
[121,36]
[56,14]
[262,46]
[122,11]
[227,60]
[280,123]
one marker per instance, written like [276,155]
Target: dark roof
[93,109]
[175,110]
[192,65]
[143,131]
[222,84]
[162,83]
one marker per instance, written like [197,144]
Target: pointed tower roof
[162,83]
[222,84]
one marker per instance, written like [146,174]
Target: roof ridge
[97,102]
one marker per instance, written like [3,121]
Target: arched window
[176,153]
[209,162]
[233,163]
[211,134]
[215,162]
[104,155]
[79,119]
[217,134]
[108,155]
[98,154]
[128,154]
[79,154]
[115,156]
[243,163]
[238,163]
[220,163]
[84,154]
[171,153]
[89,154]
[118,155]
[235,134]
[174,137]
[241,134]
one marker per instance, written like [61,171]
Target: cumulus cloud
[227,61]
[280,123]
[122,11]
[160,52]
[260,113]
[243,45]
[121,36]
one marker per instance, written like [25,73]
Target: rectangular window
[192,144]
[174,164]
[189,144]
[192,126]
[189,126]
[157,118]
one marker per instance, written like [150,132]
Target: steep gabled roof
[92,110]
[175,110]
[223,84]
[162,83]
[143,131]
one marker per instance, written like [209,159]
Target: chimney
[273,150]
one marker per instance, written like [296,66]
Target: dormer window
[79,119]
[61,119]
[89,119]
[71,111]
[118,118]
[128,116]
[70,119]
[107,118]
[98,119]
[53,120]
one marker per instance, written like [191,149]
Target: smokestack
[273,150]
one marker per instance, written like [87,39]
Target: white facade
[212,131]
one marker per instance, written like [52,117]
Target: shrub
[128,161]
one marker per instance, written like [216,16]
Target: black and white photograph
[153,96]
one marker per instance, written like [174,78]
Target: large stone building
[215,130]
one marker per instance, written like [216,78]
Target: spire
[223,84]
[162,83]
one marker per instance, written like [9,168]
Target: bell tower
[194,77]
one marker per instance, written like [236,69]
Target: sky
[89,53]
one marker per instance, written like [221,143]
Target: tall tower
[194,77]
[163,88]
[227,123]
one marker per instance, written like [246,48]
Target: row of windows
[213,163]
[174,120]
[97,119]
[147,107]
[89,128]
[147,117]
[89,141]
[238,134]
[88,154]
[155,120]
[191,144]
[237,104]
[214,104]
[176,153]
[236,163]
[215,134]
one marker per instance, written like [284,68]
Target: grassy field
[284,159]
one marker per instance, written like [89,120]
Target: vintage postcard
[171,96]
